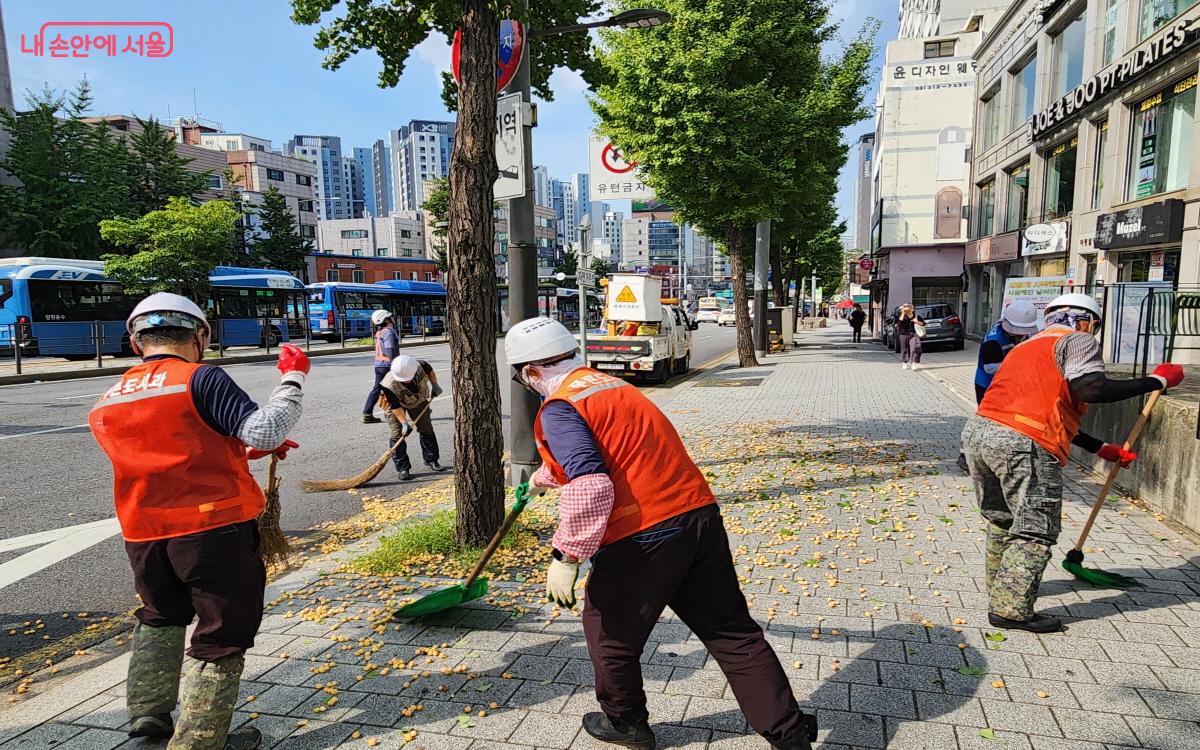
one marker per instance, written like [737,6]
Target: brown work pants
[684,563]
[216,576]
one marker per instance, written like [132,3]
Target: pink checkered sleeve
[583,509]
[543,478]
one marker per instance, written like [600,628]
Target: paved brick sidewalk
[860,551]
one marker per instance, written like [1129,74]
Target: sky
[247,66]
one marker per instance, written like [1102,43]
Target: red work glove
[291,359]
[1170,375]
[281,451]
[1113,453]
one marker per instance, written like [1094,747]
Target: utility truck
[645,335]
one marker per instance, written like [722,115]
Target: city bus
[708,309]
[559,303]
[337,308]
[55,306]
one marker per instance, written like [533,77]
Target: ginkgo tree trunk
[393,30]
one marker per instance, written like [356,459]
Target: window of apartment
[305,205]
[989,118]
[939,49]
[358,277]
[429,276]
[397,275]
[1060,179]
[985,221]
[354,234]
[275,174]
[332,274]
[308,231]
[213,181]
[1016,214]
[1114,29]
[406,233]
[1023,81]
[231,145]
[407,252]
[1098,172]
[412,275]
[1158,13]
[1068,56]
[381,252]
[357,252]
[1162,140]
[303,179]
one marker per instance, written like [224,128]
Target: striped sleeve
[1078,354]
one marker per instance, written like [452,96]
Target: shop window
[1016,214]
[1060,179]
[1114,29]
[1158,13]
[1162,140]
[989,118]
[1144,267]
[332,274]
[986,211]
[1101,166]
[1068,56]
[1024,80]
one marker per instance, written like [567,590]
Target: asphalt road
[60,553]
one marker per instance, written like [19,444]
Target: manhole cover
[731,383]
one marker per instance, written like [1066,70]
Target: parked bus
[559,303]
[336,308]
[55,305]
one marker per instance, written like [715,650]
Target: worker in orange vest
[1021,437]
[636,506]
[179,434]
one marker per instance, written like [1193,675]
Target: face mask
[546,379]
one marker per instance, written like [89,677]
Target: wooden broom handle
[493,545]
[271,472]
[1130,441]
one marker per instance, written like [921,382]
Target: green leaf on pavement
[997,637]
[845,504]
[945,519]
[972,671]
[484,687]
[464,721]
[545,682]
[873,521]
[987,734]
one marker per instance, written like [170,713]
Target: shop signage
[1151,224]
[866,264]
[1146,57]
[1045,239]
[993,249]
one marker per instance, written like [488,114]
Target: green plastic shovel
[474,586]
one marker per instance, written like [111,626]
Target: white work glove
[560,582]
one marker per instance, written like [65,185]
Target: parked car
[727,317]
[942,326]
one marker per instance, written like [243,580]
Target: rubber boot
[153,683]
[208,702]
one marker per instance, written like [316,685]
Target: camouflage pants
[1018,485]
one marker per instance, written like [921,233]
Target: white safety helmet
[1020,318]
[404,367]
[166,310]
[379,317]
[537,339]
[1078,301]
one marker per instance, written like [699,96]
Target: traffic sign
[612,177]
[510,147]
[585,277]
[866,264]
[508,57]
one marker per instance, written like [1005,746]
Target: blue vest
[1000,336]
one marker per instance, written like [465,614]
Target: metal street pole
[522,292]
[762,261]
[585,231]
[814,295]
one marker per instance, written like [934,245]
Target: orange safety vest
[1030,395]
[172,473]
[653,477]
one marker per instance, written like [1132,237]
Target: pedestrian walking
[635,504]
[857,318]
[179,434]
[405,395]
[907,321]
[1021,437]
[387,346]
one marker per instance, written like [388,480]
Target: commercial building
[361,269]
[221,141]
[860,227]
[381,173]
[1084,168]
[655,243]
[420,152]
[610,233]
[545,236]
[400,234]
[329,186]
[257,171]
[921,175]
[541,185]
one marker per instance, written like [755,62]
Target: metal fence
[23,345]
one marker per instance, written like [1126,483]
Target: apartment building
[400,234]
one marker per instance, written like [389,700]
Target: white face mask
[546,379]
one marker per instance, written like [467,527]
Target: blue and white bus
[54,305]
[336,308]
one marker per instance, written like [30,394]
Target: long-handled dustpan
[1074,562]
[473,587]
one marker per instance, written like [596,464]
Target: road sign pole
[584,236]
[522,291]
[762,260]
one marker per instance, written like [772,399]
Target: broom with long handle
[1074,562]
[358,480]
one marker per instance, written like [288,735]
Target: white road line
[42,432]
[45,537]
[82,395]
[67,542]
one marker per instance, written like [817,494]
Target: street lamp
[585,237]
[522,252]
